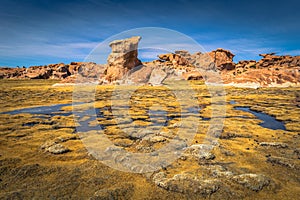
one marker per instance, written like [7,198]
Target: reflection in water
[158,117]
[268,121]
[43,110]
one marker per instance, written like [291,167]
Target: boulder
[202,61]
[139,75]
[157,77]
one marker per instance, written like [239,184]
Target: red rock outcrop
[173,59]
[61,71]
[124,67]
[7,72]
[86,72]
[223,59]
[271,70]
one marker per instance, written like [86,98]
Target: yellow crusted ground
[27,170]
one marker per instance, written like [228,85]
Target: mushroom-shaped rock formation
[123,58]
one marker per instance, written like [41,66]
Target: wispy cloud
[59,50]
[295,52]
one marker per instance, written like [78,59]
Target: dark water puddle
[157,117]
[85,126]
[206,118]
[194,109]
[43,110]
[268,121]
[232,102]
[30,124]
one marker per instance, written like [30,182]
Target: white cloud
[67,50]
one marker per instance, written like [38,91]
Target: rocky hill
[124,67]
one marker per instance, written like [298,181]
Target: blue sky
[41,32]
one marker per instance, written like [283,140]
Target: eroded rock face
[271,70]
[124,67]
[194,66]
[140,75]
[223,59]
[66,72]
[271,59]
[123,58]
[175,59]
[7,72]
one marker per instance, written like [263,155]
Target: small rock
[175,125]
[159,179]
[48,144]
[274,144]
[57,149]
[66,138]
[280,161]
[57,140]
[144,149]
[155,139]
[200,151]
[186,184]
[182,157]
[167,134]
[229,135]
[207,156]
[297,152]
[228,153]
[220,171]
[254,182]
